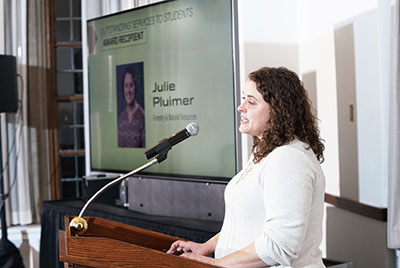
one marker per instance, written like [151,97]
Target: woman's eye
[249,101]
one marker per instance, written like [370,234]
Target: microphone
[79,225]
[166,144]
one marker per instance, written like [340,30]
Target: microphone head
[192,129]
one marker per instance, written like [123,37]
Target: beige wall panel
[310,84]
[347,121]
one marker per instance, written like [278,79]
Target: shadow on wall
[27,240]
[29,254]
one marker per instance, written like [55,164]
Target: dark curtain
[53,220]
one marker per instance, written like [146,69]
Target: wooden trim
[372,212]
[68,44]
[71,153]
[69,98]
[55,183]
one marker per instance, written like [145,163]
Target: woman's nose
[241,108]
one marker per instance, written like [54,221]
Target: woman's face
[254,111]
[129,89]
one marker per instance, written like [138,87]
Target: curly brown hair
[291,114]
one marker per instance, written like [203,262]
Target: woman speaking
[274,206]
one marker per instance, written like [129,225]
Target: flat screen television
[153,70]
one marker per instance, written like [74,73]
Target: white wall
[299,34]
[319,55]
[271,22]
[371,21]
[262,43]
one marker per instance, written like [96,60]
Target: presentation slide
[152,71]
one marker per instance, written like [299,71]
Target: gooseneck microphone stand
[79,225]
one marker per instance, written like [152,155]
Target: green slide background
[195,53]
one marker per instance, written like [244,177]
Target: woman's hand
[180,246]
[201,258]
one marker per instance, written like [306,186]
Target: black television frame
[104,173]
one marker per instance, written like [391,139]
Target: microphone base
[78,225]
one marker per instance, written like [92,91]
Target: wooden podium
[111,244]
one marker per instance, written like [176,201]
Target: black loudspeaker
[8,84]
[92,184]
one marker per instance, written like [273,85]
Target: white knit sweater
[278,203]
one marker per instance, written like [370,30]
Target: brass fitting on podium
[78,225]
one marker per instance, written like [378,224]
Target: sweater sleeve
[287,182]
